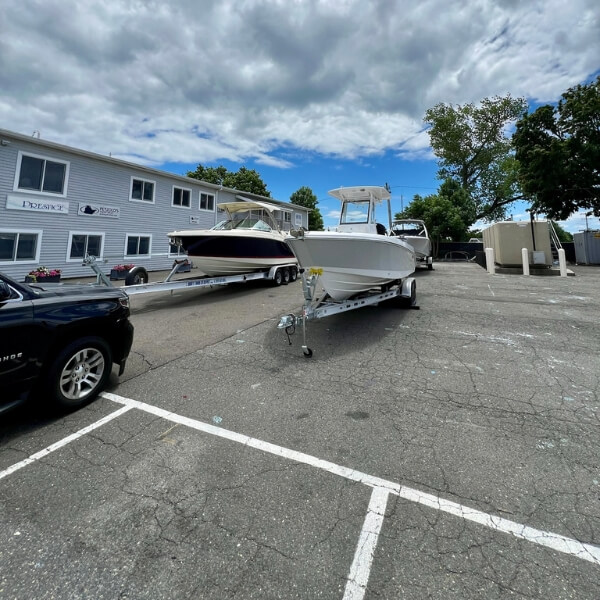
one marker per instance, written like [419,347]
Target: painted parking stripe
[548,539]
[63,442]
[365,549]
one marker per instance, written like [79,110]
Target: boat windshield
[408,228]
[354,212]
[247,223]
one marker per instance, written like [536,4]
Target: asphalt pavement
[447,452]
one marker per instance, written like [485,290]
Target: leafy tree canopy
[447,214]
[244,180]
[473,149]
[558,149]
[563,236]
[304,196]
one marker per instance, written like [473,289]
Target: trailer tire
[430,265]
[277,278]
[293,274]
[286,276]
[409,302]
[136,276]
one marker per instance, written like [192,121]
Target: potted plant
[43,275]
[120,271]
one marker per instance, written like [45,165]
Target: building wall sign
[98,210]
[37,205]
[194,219]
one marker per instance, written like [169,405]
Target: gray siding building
[58,204]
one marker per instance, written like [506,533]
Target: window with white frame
[142,190]
[182,197]
[85,243]
[176,251]
[298,220]
[41,175]
[20,246]
[138,244]
[287,217]
[207,201]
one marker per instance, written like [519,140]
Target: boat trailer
[136,281]
[404,293]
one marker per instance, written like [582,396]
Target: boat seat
[381,230]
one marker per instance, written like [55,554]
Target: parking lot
[447,452]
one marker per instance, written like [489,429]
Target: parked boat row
[361,255]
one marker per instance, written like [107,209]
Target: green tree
[563,236]
[473,149]
[558,149]
[244,180]
[447,215]
[304,197]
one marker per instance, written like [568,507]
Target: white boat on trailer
[414,231]
[358,265]
[360,255]
[248,240]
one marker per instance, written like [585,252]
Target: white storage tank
[587,247]
[508,238]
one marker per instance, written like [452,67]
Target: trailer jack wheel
[307,351]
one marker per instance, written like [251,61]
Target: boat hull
[422,246]
[231,253]
[353,263]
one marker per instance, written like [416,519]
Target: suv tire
[80,372]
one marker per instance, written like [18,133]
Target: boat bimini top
[362,193]
[233,209]
[246,205]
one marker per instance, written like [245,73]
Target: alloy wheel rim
[82,373]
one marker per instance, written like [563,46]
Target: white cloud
[192,82]
[578,222]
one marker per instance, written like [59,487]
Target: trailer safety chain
[291,329]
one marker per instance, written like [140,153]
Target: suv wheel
[80,372]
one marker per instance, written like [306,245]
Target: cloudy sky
[316,93]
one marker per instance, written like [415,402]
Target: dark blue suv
[61,339]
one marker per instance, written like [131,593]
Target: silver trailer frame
[136,281]
[404,293]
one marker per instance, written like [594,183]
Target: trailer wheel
[286,276]
[293,274]
[430,265]
[307,352]
[410,301]
[136,276]
[277,278]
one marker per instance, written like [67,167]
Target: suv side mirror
[5,292]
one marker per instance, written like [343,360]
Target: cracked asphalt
[487,398]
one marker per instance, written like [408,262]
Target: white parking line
[365,549]
[548,539]
[63,442]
